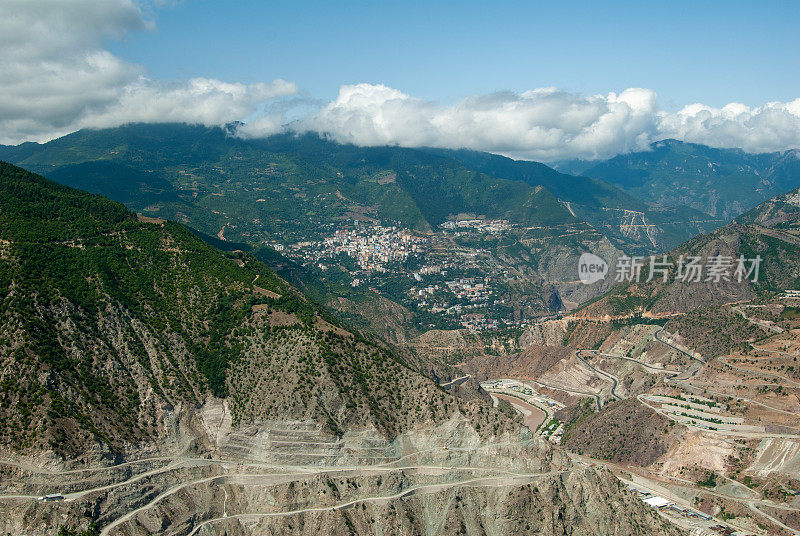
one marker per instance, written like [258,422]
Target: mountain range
[209,179]
[286,191]
[152,383]
[149,345]
[722,183]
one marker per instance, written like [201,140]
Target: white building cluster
[372,247]
[477,225]
[375,246]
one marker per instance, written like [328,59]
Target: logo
[719,269]
[591,268]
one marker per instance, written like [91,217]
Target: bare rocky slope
[159,386]
[771,231]
[625,431]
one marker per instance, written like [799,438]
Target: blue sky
[536,80]
[710,52]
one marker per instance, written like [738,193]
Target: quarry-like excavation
[673,375]
[490,481]
[475,482]
[595,396]
[752,503]
[657,337]
[140,495]
[184,461]
[722,432]
[605,375]
[649,368]
[691,379]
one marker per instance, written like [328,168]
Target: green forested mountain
[605,206]
[293,193]
[110,322]
[721,182]
[291,185]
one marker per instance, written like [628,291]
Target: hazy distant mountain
[720,182]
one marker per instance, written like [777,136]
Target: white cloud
[546,123]
[543,124]
[772,127]
[58,77]
[199,100]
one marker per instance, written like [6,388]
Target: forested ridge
[110,320]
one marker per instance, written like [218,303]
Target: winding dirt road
[413,490]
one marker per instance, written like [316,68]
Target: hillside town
[437,280]
[372,247]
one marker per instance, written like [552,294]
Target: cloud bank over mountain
[775,126]
[58,76]
[541,124]
[549,124]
